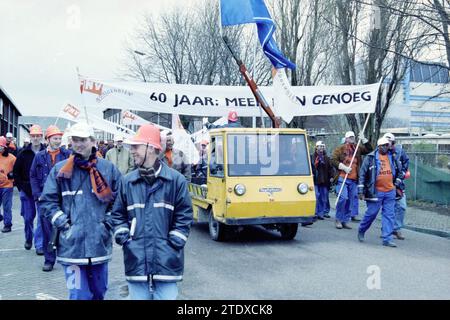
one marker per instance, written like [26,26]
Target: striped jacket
[88,240]
[157,219]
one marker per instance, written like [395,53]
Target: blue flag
[254,11]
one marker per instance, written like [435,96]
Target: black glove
[10,176]
[122,237]
[62,223]
[176,242]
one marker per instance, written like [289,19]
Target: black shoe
[360,236]
[47,267]
[355,219]
[28,245]
[398,235]
[6,229]
[327,216]
[346,226]
[321,218]
[304,224]
[389,244]
[39,252]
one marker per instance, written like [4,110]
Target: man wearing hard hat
[233,121]
[42,164]
[7,161]
[10,144]
[77,199]
[152,217]
[323,173]
[22,179]
[120,156]
[347,206]
[400,203]
[379,176]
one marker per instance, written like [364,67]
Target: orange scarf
[53,155]
[99,184]
[169,157]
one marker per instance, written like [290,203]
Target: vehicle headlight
[239,189]
[302,188]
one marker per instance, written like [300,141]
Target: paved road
[321,263]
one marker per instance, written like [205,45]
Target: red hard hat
[147,133]
[232,116]
[36,129]
[3,142]
[52,131]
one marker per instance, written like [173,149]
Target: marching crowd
[378,179]
[87,194]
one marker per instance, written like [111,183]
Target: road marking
[45,296]
[7,250]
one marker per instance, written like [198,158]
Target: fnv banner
[215,101]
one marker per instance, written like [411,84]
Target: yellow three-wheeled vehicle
[255,177]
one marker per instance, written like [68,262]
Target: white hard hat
[320,143]
[382,140]
[118,138]
[389,136]
[9,135]
[349,134]
[82,130]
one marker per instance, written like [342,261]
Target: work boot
[28,245]
[389,244]
[355,219]
[398,235]
[321,218]
[326,215]
[39,252]
[360,236]
[345,225]
[6,229]
[338,224]
[47,267]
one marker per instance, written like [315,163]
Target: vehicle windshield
[267,155]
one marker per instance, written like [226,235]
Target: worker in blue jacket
[77,199]
[152,216]
[400,202]
[43,162]
[379,177]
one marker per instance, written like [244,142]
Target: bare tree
[187,48]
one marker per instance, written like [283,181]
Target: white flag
[183,141]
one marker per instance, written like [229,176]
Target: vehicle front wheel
[217,230]
[288,230]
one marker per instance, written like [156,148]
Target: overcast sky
[42,43]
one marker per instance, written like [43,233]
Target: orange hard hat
[232,116]
[147,134]
[52,131]
[3,142]
[36,129]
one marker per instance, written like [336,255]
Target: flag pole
[82,97]
[353,158]
[253,86]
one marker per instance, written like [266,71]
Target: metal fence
[430,177]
